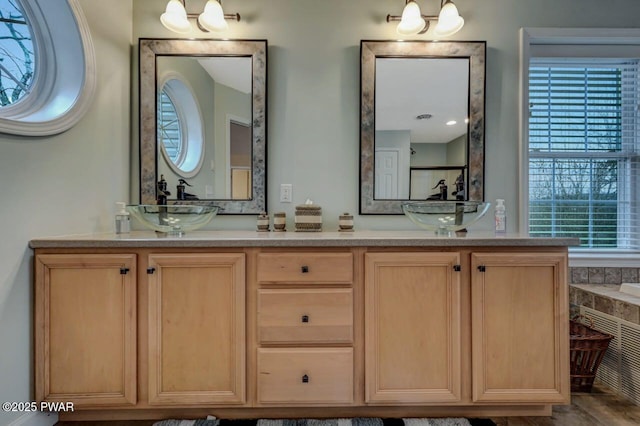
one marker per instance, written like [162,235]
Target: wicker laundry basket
[587,348]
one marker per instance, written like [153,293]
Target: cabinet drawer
[305,316]
[305,268]
[305,376]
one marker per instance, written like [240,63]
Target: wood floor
[599,408]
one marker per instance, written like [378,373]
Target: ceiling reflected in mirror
[423,96]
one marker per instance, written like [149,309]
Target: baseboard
[36,419]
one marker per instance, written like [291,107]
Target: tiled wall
[595,288]
[603,275]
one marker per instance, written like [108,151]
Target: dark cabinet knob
[305,318]
[305,379]
[305,269]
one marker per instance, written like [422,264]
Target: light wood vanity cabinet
[85,329]
[365,331]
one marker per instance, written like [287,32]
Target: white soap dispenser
[123,224]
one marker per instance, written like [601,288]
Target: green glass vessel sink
[173,219]
[445,217]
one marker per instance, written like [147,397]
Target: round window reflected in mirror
[180,130]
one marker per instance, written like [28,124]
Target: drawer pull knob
[305,269]
[305,318]
[305,379]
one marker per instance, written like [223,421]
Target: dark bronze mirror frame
[475,51]
[257,50]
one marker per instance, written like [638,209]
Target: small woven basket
[587,348]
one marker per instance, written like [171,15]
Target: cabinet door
[520,327]
[412,328]
[197,328]
[85,329]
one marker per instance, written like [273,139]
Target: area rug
[331,422]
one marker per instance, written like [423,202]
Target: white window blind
[584,151]
[169,129]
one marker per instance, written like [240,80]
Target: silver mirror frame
[369,51]
[257,50]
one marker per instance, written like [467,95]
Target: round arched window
[180,132]
[47,66]
[17,56]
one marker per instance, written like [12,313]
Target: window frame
[529,38]
[63,50]
[191,121]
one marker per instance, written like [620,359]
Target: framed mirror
[421,123]
[203,121]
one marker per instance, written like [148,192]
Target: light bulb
[449,20]
[175,17]
[412,21]
[212,19]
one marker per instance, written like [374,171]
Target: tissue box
[308,218]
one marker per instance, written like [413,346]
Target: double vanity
[243,324]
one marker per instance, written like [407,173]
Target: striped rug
[331,422]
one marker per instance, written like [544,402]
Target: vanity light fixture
[212,19]
[412,21]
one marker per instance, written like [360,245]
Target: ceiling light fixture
[213,19]
[451,122]
[412,21]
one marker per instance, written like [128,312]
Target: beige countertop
[231,238]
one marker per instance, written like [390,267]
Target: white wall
[62,184]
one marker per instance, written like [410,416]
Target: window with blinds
[584,151]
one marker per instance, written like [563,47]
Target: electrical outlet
[286,193]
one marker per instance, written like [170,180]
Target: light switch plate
[286,192]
